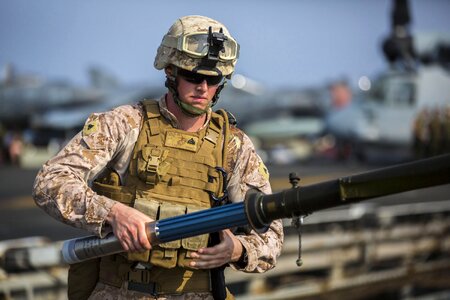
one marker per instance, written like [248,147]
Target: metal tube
[200,222]
[81,249]
[170,229]
[346,190]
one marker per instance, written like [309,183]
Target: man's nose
[203,85]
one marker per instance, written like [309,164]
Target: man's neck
[185,122]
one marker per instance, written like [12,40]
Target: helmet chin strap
[191,111]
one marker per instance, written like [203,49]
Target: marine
[157,159]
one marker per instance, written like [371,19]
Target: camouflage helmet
[186,46]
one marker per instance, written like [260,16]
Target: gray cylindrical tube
[80,249]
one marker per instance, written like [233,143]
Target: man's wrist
[243,259]
[111,214]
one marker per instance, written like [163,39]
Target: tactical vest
[171,172]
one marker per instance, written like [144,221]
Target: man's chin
[201,106]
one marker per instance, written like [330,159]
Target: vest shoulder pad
[151,107]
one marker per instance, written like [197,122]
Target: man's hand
[228,250]
[129,227]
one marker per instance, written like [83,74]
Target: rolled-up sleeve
[249,172]
[62,186]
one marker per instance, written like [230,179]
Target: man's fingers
[204,257]
[143,239]
[126,243]
[229,249]
[207,264]
[129,225]
[217,249]
[208,261]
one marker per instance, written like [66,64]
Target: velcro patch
[182,141]
[90,127]
[263,171]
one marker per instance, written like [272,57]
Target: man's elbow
[39,191]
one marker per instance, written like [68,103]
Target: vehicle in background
[382,121]
[288,127]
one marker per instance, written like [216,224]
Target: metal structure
[258,210]
[397,249]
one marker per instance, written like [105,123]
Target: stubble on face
[197,95]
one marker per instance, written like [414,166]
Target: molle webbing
[118,193]
[166,158]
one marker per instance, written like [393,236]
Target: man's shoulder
[239,144]
[131,110]
[113,124]
[128,114]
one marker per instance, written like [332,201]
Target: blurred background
[323,88]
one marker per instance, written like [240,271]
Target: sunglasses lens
[195,78]
[213,80]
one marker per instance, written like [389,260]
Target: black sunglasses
[196,78]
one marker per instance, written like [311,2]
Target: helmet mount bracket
[215,46]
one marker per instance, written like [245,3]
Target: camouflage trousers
[107,292]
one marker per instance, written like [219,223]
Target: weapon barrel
[346,190]
[259,210]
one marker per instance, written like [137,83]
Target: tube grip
[81,249]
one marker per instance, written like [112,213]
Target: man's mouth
[199,98]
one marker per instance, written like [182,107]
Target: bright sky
[283,42]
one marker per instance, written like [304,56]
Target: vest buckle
[138,280]
[156,166]
[153,161]
[152,164]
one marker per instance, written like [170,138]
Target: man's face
[197,90]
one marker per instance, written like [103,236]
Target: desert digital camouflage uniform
[62,186]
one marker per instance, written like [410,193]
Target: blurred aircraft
[56,111]
[286,126]
[380,121]
[68,119]
[58,125]
[22,96]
